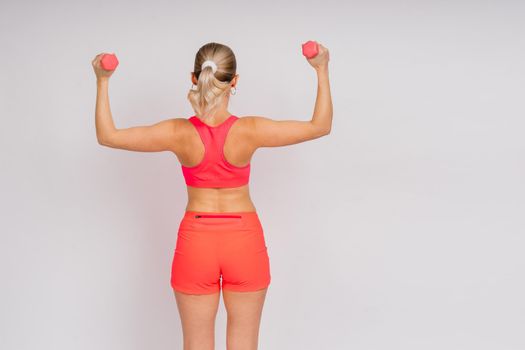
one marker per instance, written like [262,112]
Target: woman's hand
[321,59]
[100,72]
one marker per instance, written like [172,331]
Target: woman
[220,235]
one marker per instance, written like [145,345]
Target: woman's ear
[193,79]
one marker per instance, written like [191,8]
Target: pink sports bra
[214,170]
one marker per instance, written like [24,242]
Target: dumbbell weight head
[109,61]
[310,49]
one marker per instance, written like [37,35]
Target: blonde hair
[212,86]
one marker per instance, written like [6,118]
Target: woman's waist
[220,203]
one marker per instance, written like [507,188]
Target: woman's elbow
[107,138]
[103,140]
[324,132]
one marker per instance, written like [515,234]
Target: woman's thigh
[197,315]
[244,311]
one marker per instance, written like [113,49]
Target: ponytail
[212,86]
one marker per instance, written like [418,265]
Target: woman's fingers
[97,58]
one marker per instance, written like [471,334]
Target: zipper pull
[197,216]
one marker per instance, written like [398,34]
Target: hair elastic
[209,63]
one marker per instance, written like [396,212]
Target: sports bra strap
[214,170]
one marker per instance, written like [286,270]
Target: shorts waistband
[245,214]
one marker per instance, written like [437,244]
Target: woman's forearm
[323,109]
[103,120]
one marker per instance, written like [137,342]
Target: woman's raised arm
[266,132]
[162,136]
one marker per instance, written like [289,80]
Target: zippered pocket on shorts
[217,216]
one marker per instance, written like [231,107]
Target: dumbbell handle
[310,49]
[109,61]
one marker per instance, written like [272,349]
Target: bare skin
[178,135]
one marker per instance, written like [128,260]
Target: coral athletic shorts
[211,245]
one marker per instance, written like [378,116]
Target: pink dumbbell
[109,61]
[310,49]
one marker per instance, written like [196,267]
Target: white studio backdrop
[402,229]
